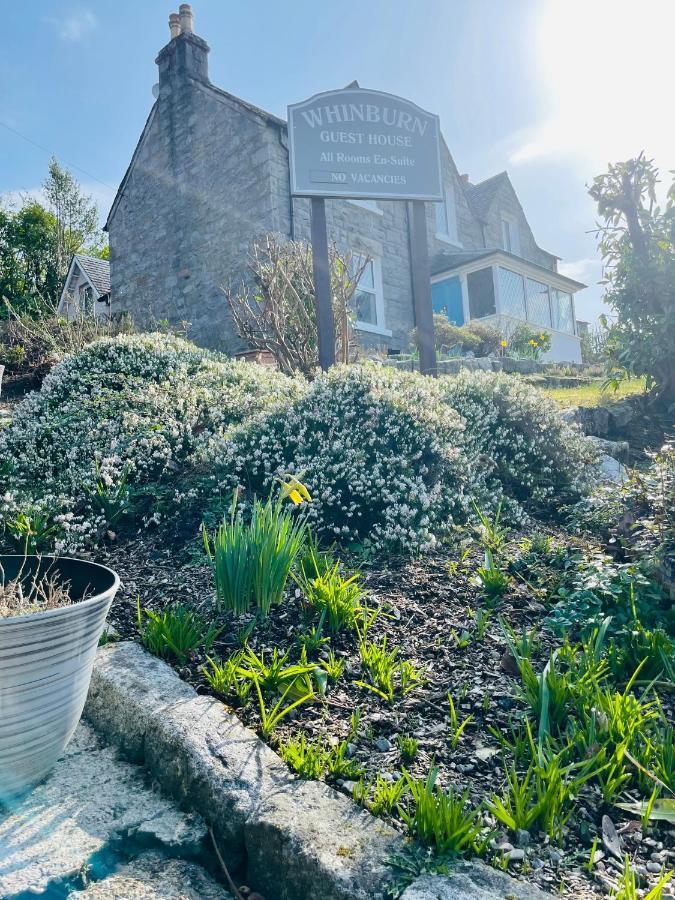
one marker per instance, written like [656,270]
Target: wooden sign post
[322,294]
[361,144]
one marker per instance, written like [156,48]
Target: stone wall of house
[198,193]
[211,175]
[506,202]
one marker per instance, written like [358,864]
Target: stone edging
[291,839]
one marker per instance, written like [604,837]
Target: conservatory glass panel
[538,307]
[481,289]
[563,317]
[511,294]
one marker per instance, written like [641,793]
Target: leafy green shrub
[252,561]
[537,457]
[315,759]
[121,413]
[442,819]
[527,343]
[386,672]
[483,339]
[335,598]
[175,632]
[380,452]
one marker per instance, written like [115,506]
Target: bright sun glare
[606,71]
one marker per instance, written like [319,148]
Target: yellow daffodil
[294,490]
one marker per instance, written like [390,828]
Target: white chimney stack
[174,25]
[185,15]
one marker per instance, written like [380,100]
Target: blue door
[446,299]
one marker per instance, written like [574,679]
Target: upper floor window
[368,299]
[510,236]
[446,217]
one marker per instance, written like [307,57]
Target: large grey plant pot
[46,661]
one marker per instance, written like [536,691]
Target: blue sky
[550,90]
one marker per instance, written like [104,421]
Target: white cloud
[102,195]
[588,270]
[603,67]
[76,25]
[16,198]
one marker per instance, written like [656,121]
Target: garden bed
[428,611]
[412,662]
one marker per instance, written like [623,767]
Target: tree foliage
[636,239]
[37,242]
[75,215]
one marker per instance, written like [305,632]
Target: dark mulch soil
[425,607]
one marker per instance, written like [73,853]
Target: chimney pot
[174,25]
[465,179]
[186,18]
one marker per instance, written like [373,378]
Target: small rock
[350,750]
[383,745]
[348,787]
[515,855]
[485,753]
[537,863]
[610,838]
[504,847]
[556,857]
[654,867]
[522,837]
[508,663]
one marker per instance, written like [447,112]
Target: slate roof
[481,195]
[446,262]
[97,271]
[443,262]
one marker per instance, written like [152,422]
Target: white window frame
[510,224]
[378,292]
[447,211]
[370,205]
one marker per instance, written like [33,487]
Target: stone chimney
[185,57]
[465,179]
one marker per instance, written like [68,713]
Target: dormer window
[510,235]
[446,217]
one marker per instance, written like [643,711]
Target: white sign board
[364,144]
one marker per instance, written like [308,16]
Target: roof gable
[481,196]
[96,270]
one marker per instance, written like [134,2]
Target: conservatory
[505,290]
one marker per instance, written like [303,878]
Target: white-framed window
[371,205]
[446,217]
[86,299]
[510,235]
[368,299]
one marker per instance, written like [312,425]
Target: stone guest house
[210,174]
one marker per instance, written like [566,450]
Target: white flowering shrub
[122,412]
[379,450]
[536,457]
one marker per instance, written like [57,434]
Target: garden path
[96,828]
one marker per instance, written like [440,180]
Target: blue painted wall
[446,299]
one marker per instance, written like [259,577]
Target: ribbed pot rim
[60,610]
